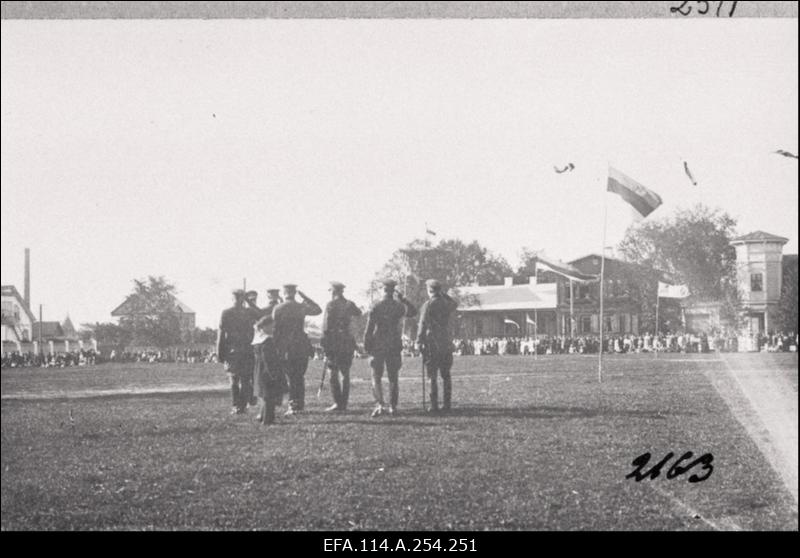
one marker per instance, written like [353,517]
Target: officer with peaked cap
[339,344]
[292,344]
[383,341]
[270,381]
[235,352]
[434,337]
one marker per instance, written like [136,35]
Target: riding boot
[336,389]
[434,394]
[447,390]
[345,394]
[377,390]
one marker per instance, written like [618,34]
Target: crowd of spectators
[628,343]
[16,359]
[83,357]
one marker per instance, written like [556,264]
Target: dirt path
[764,401]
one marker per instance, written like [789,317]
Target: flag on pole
[785,153]
[642,199]
[689,173]
[509,321]
[529,320]
[428,231]
[665,290]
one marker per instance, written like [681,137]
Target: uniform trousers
[439,364]
[392,361]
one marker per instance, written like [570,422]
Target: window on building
[756,282]
[586,324]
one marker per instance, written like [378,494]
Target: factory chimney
[27,295]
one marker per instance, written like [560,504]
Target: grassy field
[531,445]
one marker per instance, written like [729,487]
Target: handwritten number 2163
[702,8]
[640,462]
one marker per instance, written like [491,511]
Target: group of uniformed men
[266,350]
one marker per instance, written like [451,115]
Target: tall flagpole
[571,312]
[656,339]
[602,283]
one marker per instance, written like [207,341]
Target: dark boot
[345,389]
[447,390]
[434,408]
[336,388]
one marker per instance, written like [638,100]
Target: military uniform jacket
[383,333]
[235,331]
[336,334]
[264,326]
[434,324]
[289,328]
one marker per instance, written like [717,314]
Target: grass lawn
[531,445]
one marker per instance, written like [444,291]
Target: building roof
[11,290]
[68,328]
[511,297]
[50,330]
[126,309]
[759,236]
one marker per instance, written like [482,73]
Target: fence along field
[529,446]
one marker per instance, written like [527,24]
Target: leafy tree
[152,314]
[106,334]
[786,316]
[453,262]
[693,248]
[199,336]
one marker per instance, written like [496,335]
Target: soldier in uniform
[251,304]
[292,344]
[435,340]
[235,352]
[339,344]
[270,382]
[383,340]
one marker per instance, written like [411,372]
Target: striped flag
[785,153]
[529,320]
[665,290]
[509,321]
[643,200]
[563,269]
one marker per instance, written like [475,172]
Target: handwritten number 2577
[702,8]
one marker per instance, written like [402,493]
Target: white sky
[309,150]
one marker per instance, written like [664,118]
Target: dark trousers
[338,365]
[270,381]
[439,364]
[295,370]
[392,362]
[240,372]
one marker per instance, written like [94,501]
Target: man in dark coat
[383,340]
[270,381]
[435,340]
[292,344]
[235,352]
[339,344]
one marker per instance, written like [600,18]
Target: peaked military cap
[273,292]
[251,293]
[290,286]
[389,282]
[433,283]
[238,292]
[337,286]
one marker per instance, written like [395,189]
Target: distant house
[127,310]
[17,319]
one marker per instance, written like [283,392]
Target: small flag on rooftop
[569,167]
[509,321]
[643,200]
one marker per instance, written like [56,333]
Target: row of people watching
[629,343]
[82,357]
